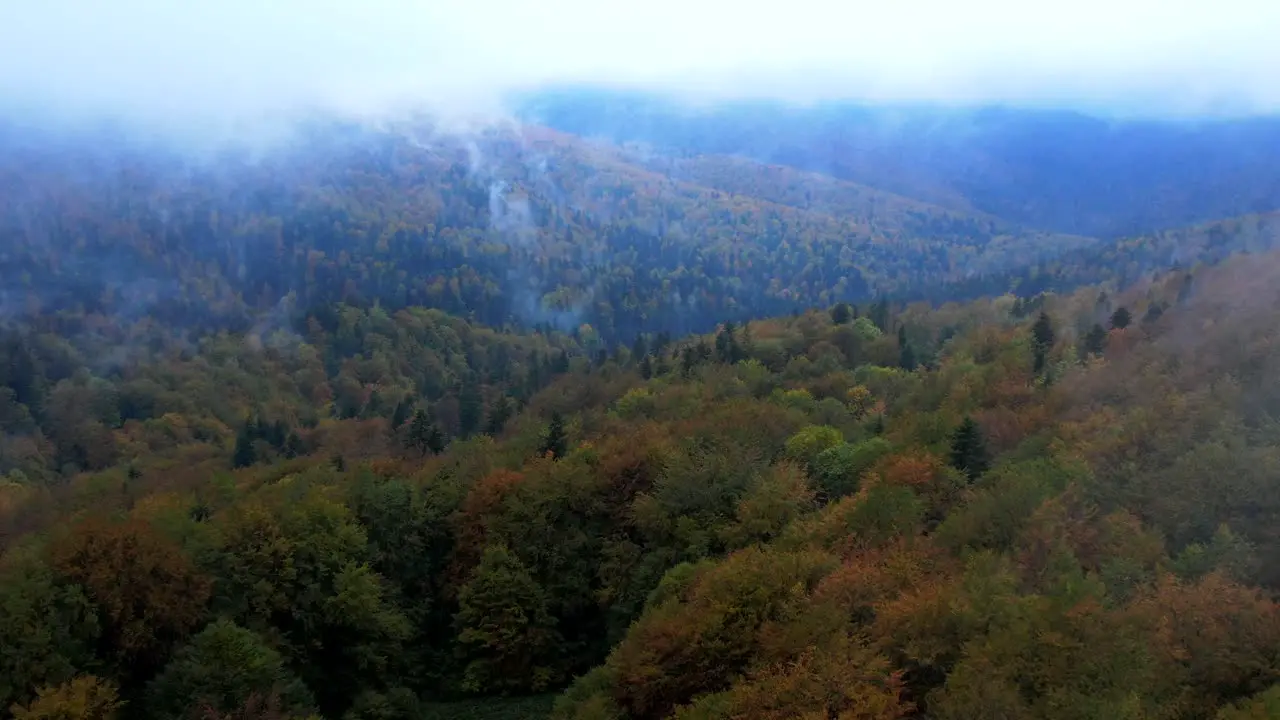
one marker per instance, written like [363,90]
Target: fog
[206,63]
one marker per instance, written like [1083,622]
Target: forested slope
[1059,506]
[507,224]
[1052,169]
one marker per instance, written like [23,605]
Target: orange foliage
[481,505]
[148,591]
[914,469]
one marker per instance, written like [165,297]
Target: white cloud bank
[204,58]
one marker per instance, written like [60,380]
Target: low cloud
[215,64]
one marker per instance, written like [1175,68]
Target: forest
[403,426]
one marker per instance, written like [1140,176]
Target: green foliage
[841,313]
[969,449]
[1263,706]
[506,635]
[838,470]
[866,330]
[1042,337]
[556,442]
[884,513]
[1226,552]
[709,545]
[48,630]
[995,512]
[220,670]
[806,445]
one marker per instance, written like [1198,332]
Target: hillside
[1047,169]
[1126,261]
[980,508]
[511,225]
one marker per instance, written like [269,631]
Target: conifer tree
[1095,341]
[969,449]
[1042,337]
[470,407]
[1121,318]
[420,432]
[556,442]
[841,314]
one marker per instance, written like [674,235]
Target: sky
[184,60]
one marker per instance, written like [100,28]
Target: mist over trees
[401,422]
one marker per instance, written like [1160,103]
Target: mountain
[393,420]
[1048,169]
[920,512]
[510,224]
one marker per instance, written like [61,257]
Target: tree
[1095,341]
[727,350]
[470,407]
[879,314]
[841,314]
[436,440]
[556,443]
[420,431]
[969,449]
[1121,318]
[640,348]
[48,629]
[84,698]
[505,633]
[148,593]
[222,669]
[906,355]
[401,413]
[499,414]
[1042,337]
[646,368]
[244,453]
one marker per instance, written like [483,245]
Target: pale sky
[187,58]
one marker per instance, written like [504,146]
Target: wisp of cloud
[205,64]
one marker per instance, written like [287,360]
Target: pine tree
[880,314]
[704,351]
[639,348]
[1188,287]
[906,354]
[724,343]
[435,440]
[969,449]
[470,407]
[401,413]
[1095,341]
[688,358]
[244,454]
[555,443]
[1121,318]
[533,375]
[1042,337]
[499,414]
[841,314]
[420,431]
[1154,312]
[292,445]
[646,368]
